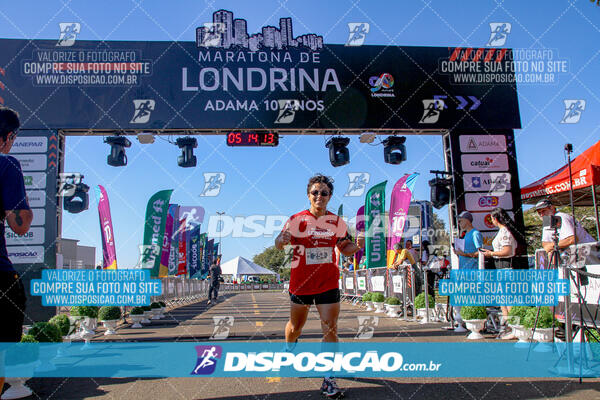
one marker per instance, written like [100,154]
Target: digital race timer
[252,139]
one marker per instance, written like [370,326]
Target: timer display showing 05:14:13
[252,139]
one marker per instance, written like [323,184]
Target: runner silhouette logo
[222,327]
[287,111]
[573,110]
[212,183]
[207,359]
[68,33]
[142,110]
[358,183]
[358,33]
[499,33]
[432,110]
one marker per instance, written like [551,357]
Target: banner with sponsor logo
[154,229]
[109,254]
[166,250]
[399,204]
[174,250]
[375,247]
[283,80]
[182,259]
[360,228]
[194,260]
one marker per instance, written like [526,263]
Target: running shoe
[330,389]
[508,334]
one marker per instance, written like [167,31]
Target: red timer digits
[252,139]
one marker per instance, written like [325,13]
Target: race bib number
[318,255]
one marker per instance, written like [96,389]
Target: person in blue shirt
[468,259]
[15,211]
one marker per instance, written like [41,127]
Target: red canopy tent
[585,170]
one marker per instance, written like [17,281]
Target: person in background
[409,247]
[567,233]
[504,250]
[425,256]
[469,255]
[215,276]
[14,212]
[400,257]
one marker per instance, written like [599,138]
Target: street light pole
[220,214]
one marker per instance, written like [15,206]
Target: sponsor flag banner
[109,253]
[209,253]
[337,252]
[399,204]
[182,259]
[194,252]
[360,228]
[174,253]
[166,250]
[375,226]
[346,359]
[204,256]
[154,229]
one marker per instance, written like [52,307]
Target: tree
[440,235]
[271,258]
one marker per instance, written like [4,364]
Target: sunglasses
[323,193]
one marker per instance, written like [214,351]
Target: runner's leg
[329,314]
[298,316]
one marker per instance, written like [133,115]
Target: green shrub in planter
[367,296]
[545,319]
[155,305]
[137,311]
[28,339]
[393,301]
[146,308]
[593,336]
[517,314]
[378,297]
[85,311]
[473,312]
[45,332]
[162,303]
[420,301]
[62,322]
[109,313]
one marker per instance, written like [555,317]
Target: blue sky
[272,181]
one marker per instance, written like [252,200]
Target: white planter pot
[522,333]
[370,306]
[136,318]
[543,335]
[475,326]
[110,326]
[155,313]
[378,306]
[393,310]
[17,389]
[147,316]
[89,325]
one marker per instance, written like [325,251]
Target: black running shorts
[328,297]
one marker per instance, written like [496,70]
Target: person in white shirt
[504,250]
[569,231]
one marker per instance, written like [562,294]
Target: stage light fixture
[394,150]
[187,145]
[79,200]
[338,152]
[117,157]
[440,191]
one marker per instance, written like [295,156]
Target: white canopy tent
[240,266]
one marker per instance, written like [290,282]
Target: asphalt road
[260,317]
